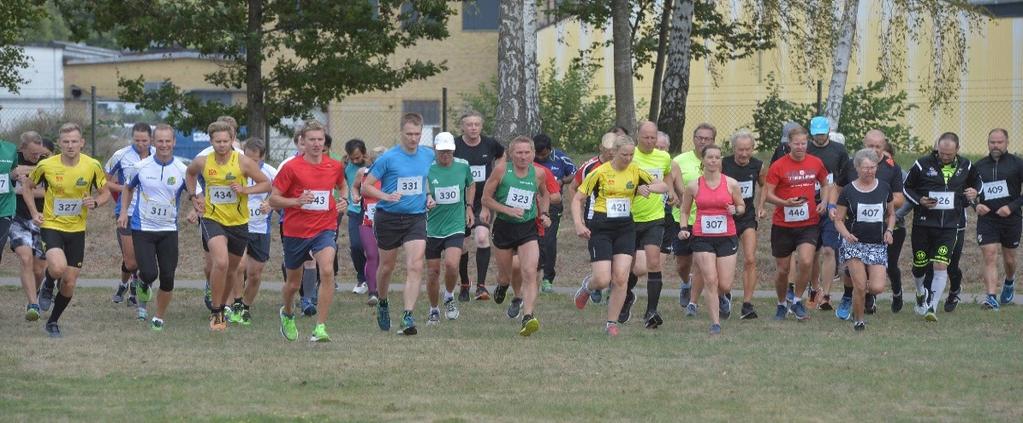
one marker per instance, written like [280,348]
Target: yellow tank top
[223,205]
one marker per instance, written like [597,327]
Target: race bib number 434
[222,195]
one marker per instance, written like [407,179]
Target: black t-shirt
[21,210]
[834,157]
[747,176]
[867,211]
[481,160]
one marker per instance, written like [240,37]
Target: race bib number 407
[869,213]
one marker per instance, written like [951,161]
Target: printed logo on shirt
[932,172]
[629,185]
[80,182]
[171,180]
[230,176]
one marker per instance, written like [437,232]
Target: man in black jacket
[936,185]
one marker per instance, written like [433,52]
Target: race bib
[797,213]
[746,188]
[255,212]
[479,173]
[658,174]
[448,195]
[869,213]
[67,206]
[992,190]
[222,195]
[944,199]
[410,185]
[371,211]
[5,183]
[519,198]
[158,212]
[321,201]
[714,224]
[619,207]
[831,178]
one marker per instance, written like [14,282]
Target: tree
[291,56]
[518,107]
[625,101]
[16,16]
[672,120]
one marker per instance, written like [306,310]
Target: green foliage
[863,108]
[52,27]
[484,101]
[16,17]
[179,109]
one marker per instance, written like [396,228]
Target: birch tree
[517,90]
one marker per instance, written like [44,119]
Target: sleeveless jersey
[712,216]
[223,205]
[519,193]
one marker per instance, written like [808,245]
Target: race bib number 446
[797,213]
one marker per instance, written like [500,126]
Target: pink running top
[712,217]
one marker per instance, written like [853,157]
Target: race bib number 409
[995,190]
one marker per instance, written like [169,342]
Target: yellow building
[991,94]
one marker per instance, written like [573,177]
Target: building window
[430,110]
[480,15]
[222,97]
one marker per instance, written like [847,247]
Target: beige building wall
[187,73]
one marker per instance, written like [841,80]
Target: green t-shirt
[658,164]
[691,168]
[519,193]
[8,161]
[447,186]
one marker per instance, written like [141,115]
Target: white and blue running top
[158,186]
[259,223]
[121,167]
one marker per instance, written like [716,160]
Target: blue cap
[819,125]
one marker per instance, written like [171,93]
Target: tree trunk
[513,102]
[662,46]
[840,66]
[256,119]
[625,101]
[672,119]
[531,78]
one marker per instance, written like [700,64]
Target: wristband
[832,207]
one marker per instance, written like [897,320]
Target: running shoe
[133,299]
[156,325]
[319,333]
[360,288]
[383,317]
[451,307]
[482,294]
[217,322]
[142,313]
[790,296]
[118,296]
[952,301]
[582,295]
[463,293]
[53,330]
[715,329]
[529,326]
[691,310]
[208,296]
[433,318]
[546,286]
[920,308]
[626,313]
[748,313]
[46,296]
[844,309]
[896,303]
[825,304]
[611,329]
[288,329]
[236,314]
[859,326]
[32,312]
[373,299]
[499,293]
[930,316]
[780,312]
[308,308]
[514,308]
[800,311]
[1008,292]
[724,307]
[142,291]
[408,325]
[685,291]
[653,320]
[991,303]
[596,296]
[246,318]
[815,298]
[870,304]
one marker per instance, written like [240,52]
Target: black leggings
[157,256]
[894,251]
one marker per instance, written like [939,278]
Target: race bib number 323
[519,198]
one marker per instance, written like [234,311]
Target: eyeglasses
[699,138]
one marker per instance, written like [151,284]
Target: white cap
[444,141]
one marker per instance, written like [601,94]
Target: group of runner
[835,216]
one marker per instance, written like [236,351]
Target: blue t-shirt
[559,163]
[350,171]
[405,174]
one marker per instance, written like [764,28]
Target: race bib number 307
[716,224]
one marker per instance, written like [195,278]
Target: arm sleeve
[909,188]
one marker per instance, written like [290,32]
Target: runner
[670,225]
[305,188]
[8,204]
[866,219]
[604,152]
[70,178]
[686,168]
[149,209]
[355,159]
[24,233]
[999,179]
[750,174]
[611,232]
[257,250]
[451,183]
[562,168]
[835,159]
[400,217]
[790,184]
[899,235]
[224,211]
[936,186]
[369,241]
[717,198]
[121,170]
[514,191]
[481,152]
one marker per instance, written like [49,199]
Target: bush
[109,137]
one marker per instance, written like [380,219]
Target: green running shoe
[142,291]
[319,333]
[246,318]
[235,316]
[529,326]
[546,286]
[288,328]
[32,312]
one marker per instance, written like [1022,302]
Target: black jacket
[926,177]
[1008,168]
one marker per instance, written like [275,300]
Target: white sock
[938,286]
[919,283]
[448,295]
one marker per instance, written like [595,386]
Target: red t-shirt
[796,179]
[586,168]
[553,187]
[297,176]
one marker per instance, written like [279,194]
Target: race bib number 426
[944,199]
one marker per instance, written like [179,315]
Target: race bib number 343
[320,201]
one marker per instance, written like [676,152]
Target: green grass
[110,367]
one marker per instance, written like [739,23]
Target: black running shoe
[53,330]
[514,308]
[870,305]
[748,313]
[626,312]
[499,292]
[463,293]
[896,303]
[653,320]
[952,301]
